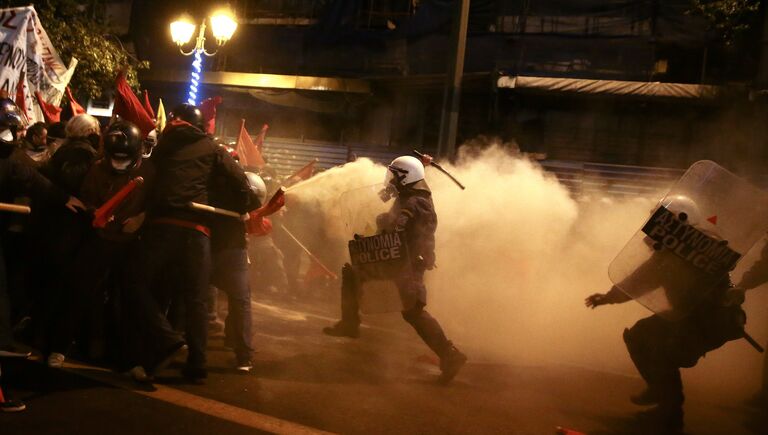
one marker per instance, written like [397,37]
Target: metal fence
[287,156]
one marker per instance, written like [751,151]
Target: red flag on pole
[272,206]
[250,154]
[51,113]
[102,215]
[77,109]
[148,106]
[302,174]
[20,100]
[316,271]
[258,224]
[208,108]
[260,138]
[128,106]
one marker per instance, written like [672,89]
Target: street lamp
[223,26]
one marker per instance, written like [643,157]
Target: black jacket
[186,161]
[17,178]
[68,165]
[414,213]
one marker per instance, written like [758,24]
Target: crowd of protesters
[113,262]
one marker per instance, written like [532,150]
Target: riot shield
[360,208]
[678,256]
[379,260]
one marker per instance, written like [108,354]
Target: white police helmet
[405,170]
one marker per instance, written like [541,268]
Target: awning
[264,81]
[611,87]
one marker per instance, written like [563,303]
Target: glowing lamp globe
[223,25]
[182,30]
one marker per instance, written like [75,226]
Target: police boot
[450,364]
[663,419]
[343,329]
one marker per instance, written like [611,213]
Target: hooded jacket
[186,161]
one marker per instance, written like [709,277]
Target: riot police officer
[413,213]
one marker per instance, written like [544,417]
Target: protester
[35,143]
[16,178]
[61,234]
[177,235]
[56,136]
[106,260]
[230,265]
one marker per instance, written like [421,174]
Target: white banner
[26,53]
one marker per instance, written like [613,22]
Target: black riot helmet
[11,120]
[123,146]
[189,113]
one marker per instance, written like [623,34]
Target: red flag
[104,213]
[148,106]
[250,154]
[77,109]
[208,107]
[316,271]
[128,106]
[272,206]
[51,113]
[258,225]
[260,138]
[302,174]
[20,100]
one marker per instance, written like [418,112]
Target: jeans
[178,262]
[230,275]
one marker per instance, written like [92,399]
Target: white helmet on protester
[257,186]
[405,170]
[684,208]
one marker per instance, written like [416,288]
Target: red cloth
[302,174]
[272,206]
[250,154]
[20,100]
[147,106]
[51,113]
[128,106]
[258,225]
[314,272]
[77,109]
[208,108]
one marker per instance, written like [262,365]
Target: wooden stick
[215,210]
[15,208]
[311,255]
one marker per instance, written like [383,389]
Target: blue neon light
[194,80]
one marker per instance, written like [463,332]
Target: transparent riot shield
[378,261]
[361,207]
[696,235]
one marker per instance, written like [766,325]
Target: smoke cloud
[517,255]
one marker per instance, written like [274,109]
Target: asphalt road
[384,382]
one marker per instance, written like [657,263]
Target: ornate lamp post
[223,26]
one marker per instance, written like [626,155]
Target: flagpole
[311,255]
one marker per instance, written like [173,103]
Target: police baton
[15,208]
[754,343]
[440,168]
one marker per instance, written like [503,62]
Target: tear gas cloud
[517,255]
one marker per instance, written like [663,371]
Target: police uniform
[413,213]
